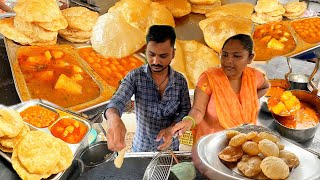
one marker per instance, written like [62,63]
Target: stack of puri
[294,10]
[192,58]
[267,11]
[178,8]
[259,155]
[121,32]
[80,23]
[36,23]
[12,129]
[204,6]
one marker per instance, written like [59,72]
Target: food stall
[14,90]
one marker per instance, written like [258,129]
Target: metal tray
[63,113]
[106,91]
[208,148]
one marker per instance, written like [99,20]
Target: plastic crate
[186,138]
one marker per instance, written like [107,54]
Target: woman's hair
[244,39]
[161,33]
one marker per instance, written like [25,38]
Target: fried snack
[218,31]
[178,8]
[8,30]
[251,134]
[178,63]
[74,35]
[266,6]
[269,18]
[257,139]
[231,154]
[142,15]
[53,42]
[243,10]
[250,148]
[238,140]
[295,7]
[256,19]
[38,152]
[204,8]
[280,146]
[110,36]
[198,58]
[5,149]
[9,143]
[278,12]
[274,168]
[34,31]
[55,25]
[202,2]
[80,18]
[268,148]
[289,158]
[11,123]
[38,10]
[231,133]
[250,167]
[65,159]
[117,7]
[22,171]
[271,137]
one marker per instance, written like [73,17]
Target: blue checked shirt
[152,113]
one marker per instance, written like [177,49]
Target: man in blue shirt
[161,97]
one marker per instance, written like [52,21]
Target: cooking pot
[298,81]
[301,135]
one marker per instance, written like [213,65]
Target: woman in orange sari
[226,96]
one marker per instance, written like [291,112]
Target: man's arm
[185,105]
[117,130]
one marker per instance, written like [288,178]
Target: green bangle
[193,121]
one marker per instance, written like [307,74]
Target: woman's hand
[182,126]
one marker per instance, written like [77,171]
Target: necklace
[158,86]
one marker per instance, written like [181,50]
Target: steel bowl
[298,81]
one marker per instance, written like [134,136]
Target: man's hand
[165,134]
[116,133]
[181,127]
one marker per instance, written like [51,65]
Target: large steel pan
[301,135]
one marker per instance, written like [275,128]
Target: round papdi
[80,18]
[112,36]
[38,10]
[219,30]
[34,31]
[8,30]
[198,58]
[22,171]
[11,123]
[38,152]
[11,142]
[65,159]
[274,168]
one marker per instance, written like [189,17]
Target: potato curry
[54,74]
[272,39]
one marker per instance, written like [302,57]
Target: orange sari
[225,108]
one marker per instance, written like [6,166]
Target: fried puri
[238,140]
[178,8]
[231,154]
[11,123]
[250,166]
[8,30]
[9,143]
[38,152]
[289,158]
[251,135]
[271,137]
[274,168]
[80,18]
[268,148]
[250,148]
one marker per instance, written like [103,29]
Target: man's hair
[244,39]
[161,33]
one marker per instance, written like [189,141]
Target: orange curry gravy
[271,40]
[42,66]
[69,130]
[305,118]
[111,70]
[39,116]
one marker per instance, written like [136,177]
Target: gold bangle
[193,121]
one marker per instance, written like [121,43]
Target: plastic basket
[186,138]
